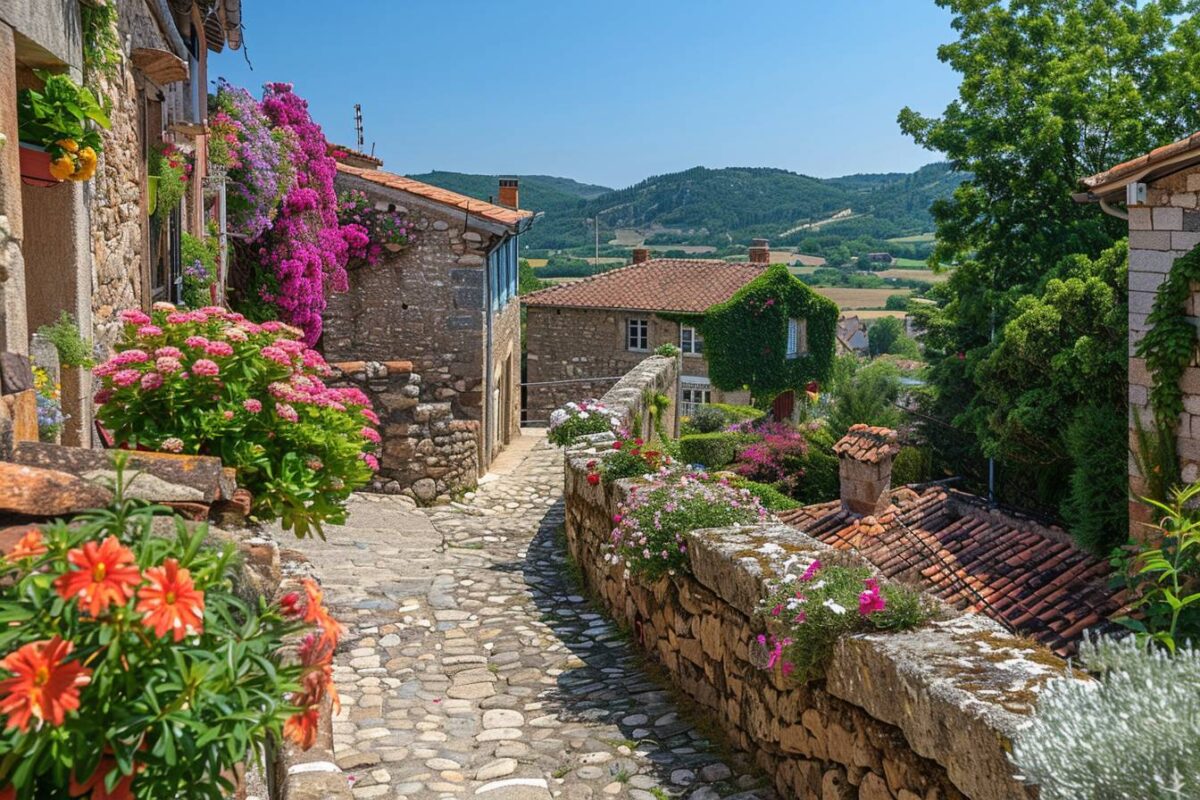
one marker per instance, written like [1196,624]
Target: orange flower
[301,727]
[171,602]
[315,613]
[43,684]
[93,787]
[31,545]
[316,654]
[105,574]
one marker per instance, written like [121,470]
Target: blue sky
[608,92]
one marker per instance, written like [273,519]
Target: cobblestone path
[471,666]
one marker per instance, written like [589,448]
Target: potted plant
[57,129]
[169,169]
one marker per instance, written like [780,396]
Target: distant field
[693,249]
[875,313]
[802,270]
[911,263]
[858,298]
[919,238]
[604,260]
[925,275]
[538,262]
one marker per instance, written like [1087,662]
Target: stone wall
[428,452]
[1166,227]
[580,345]
[911,716]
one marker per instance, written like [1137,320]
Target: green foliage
[632,458]
[807,616]
[864,394]
[1132,734]
[1170,344]
[669,350]
[61,117]
[896,302]
[199,259]
[1095,508]
[101,44]
[883,335]
[1157,458]
[739,413]
[911,465]
[73,349]
[171,714]
[527,279]
[746,336]
[576,420]
[713,450]
[707,419]
[1166,579]
[172,170]
[771,498]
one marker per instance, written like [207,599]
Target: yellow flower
[68,144]
[61,168]
[87,155]
[86,170]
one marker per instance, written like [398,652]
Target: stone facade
[1162,230]
[585,348]
[905,716]
[427,453]
[430,303]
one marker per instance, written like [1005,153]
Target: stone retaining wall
[912,716]
[428,453]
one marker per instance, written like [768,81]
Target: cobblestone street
[472,666]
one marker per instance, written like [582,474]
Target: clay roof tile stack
[868,443]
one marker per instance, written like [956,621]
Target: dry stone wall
[921,715]
[428,453]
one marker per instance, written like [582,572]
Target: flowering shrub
[806,615]
[384,229]
[61,117]
[776,457]
[132,669]
[50,416]
[211,382]
[1133,733]
[256,156]
[631,458]
[576,420]
[650,536]
[199,257]
[173,168]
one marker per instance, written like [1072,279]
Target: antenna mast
[358,126]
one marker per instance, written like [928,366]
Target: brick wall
[1167,227]
[427,452]
[577,344]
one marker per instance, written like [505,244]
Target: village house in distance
[581,337]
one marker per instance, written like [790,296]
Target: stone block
[1184,241]
[1140,219]
[35,492]
[1191,221]
[1149,240]
[1146,282]
[1151,260]
[1167,218]
[16,373]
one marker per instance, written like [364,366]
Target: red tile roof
[1022,574]
[663,284]
[867,443]
[478,208]
[1169,157]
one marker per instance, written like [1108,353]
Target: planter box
[35,166]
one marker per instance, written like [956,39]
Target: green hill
[725,208]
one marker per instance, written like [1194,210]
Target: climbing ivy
[1169,344]
[745,338]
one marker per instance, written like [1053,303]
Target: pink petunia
[871,600]
[812,570]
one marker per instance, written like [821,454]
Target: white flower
[818,585]
[557,417]
[584,415]
[832,606]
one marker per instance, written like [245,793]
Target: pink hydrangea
[271,326]
[103,396]
[151,381]
[252,405]
[172,445]
[178,318]
[371,461]
[276,355]
[197,342]
[134,356]
[203,367]
[285,411]
[167,365]
[134,316]
[168,352]
[370,434]
[126,377]
[219,349]
[148,331]
[228,415]
[162,305]
[371,416]
[236,335]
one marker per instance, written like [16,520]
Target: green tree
[883,335]
[1051,90]
[527,279]
[896,302]
[865,394]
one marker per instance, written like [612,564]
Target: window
[692,397]
[637,334]
[690,341]
[503,272]
[797,337]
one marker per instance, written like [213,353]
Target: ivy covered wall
[746,336]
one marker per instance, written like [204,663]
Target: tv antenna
[358,126]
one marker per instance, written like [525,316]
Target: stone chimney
[760,252]
[510,192]
[641,255]
[865,456]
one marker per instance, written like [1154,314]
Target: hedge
[713,450]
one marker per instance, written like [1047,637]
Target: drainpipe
[488,369]
[1113,212]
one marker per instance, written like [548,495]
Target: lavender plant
[1134,733]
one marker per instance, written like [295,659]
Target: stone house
[852,336]
[1159,191]
[92,248]
[447,303]
[581,337]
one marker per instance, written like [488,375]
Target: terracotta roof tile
[478,208]
[867,443]
[1003,565]
[1115,177]
[662,284]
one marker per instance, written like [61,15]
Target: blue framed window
[503,273]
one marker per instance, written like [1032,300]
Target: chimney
[760,252]
[641,255]
[510,194]
[865,456]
